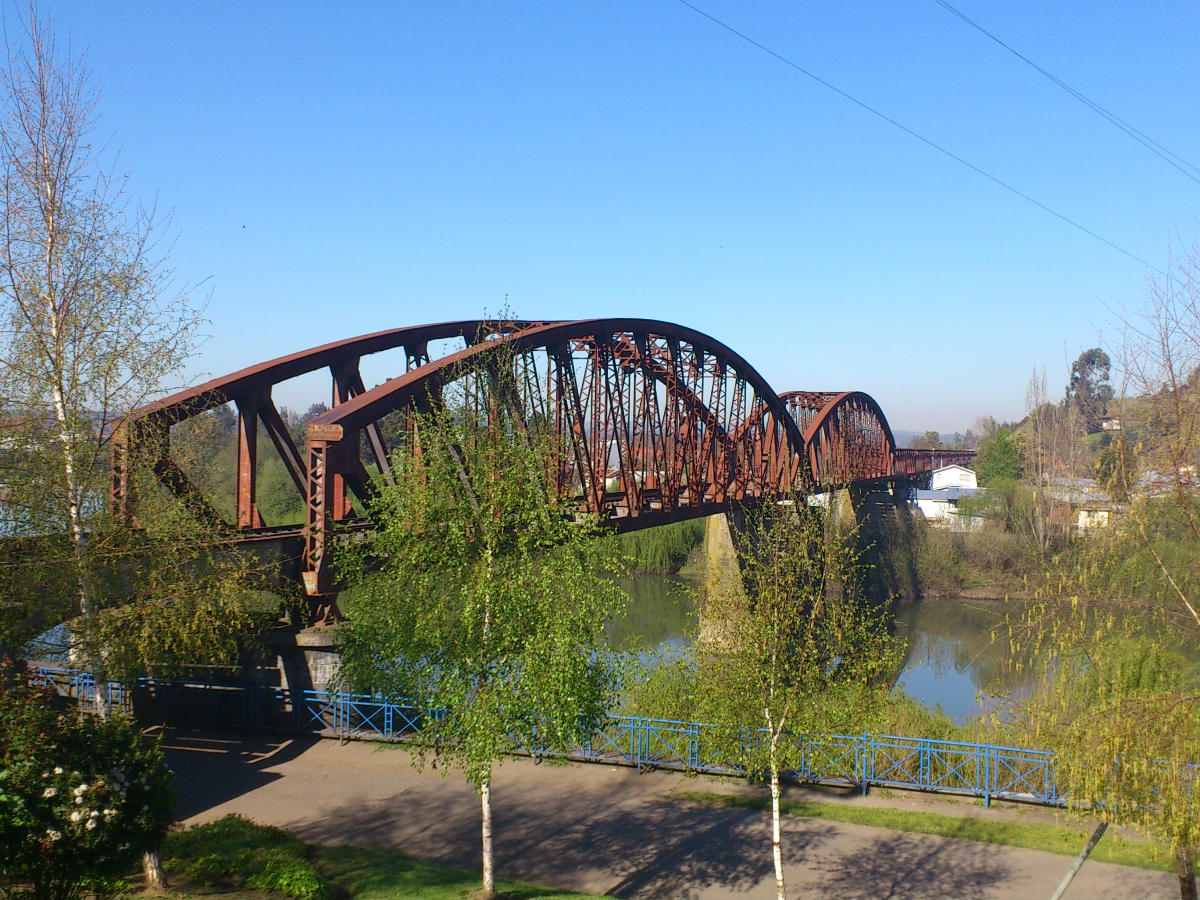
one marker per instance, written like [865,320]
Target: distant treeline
[663,549]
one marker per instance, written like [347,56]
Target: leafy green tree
[1089,390]
[800,650]
[1117,466]
[490,601]
[80,798]
[1116,629]
[930,440]
[91,327]
[998,458]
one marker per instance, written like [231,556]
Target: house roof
[945,493]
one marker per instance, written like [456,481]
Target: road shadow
[218,767]
[895,866]
[636,850]
[659,848]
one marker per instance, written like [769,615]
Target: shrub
[238,853]
[80,798]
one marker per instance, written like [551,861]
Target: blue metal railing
[987,771]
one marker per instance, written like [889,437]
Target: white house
[939,504]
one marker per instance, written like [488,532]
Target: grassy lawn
[1032,836]
[378,874]
[233,857]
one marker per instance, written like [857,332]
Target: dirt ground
[608,829]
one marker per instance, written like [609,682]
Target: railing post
[637,739]
[865,753]
[989,754]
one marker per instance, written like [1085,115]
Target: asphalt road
[606,829]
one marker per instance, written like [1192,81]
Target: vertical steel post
[247,462]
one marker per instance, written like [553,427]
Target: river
[951,660]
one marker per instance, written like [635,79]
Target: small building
[939,504]
[953,477]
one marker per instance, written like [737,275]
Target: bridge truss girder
[662,423]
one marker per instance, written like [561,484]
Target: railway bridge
[662,423]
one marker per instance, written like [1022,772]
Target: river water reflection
[951,662]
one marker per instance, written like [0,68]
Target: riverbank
[608,830]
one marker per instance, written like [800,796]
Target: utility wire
[920,137]
[1150,144]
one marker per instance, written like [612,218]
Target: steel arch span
[661,422]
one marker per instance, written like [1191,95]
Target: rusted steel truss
[659,422]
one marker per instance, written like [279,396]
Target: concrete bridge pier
[887,539]
[306,659]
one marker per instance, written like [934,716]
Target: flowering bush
[80,799]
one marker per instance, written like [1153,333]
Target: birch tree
[1116,631]
[801,650]
[91,327]
[490,598]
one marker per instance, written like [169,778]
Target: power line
[920,137]
[1150,144]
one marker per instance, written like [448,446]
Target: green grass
[236,853]
[233,855]
[381,874]
[1031,836]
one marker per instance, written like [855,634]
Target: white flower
[109,813]
[53,835]
[78,800]
[49,792]
[89,824]
[79,791]
[76,816]
[58,770]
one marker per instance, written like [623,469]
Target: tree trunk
[1185,868]
[156,878]
[776,843]
[1080,860]
[489,875]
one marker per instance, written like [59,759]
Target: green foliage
[1119,711]
[665,685]
[379,874]
[1145,559]
[490,603]
[1088,388]
[947,563]
[1118,465]
[80,799]
[664,549]
[1116,651]
[998,459]
[802,649]
[903,716]
[235,853]
[930,440]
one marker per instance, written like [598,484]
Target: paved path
[607,829]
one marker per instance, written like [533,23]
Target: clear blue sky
[342,168]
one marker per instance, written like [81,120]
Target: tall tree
[998,458]
[1088,390]
[800,650]
[930,440]
[91,328]
[490,599]
[1121,704]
